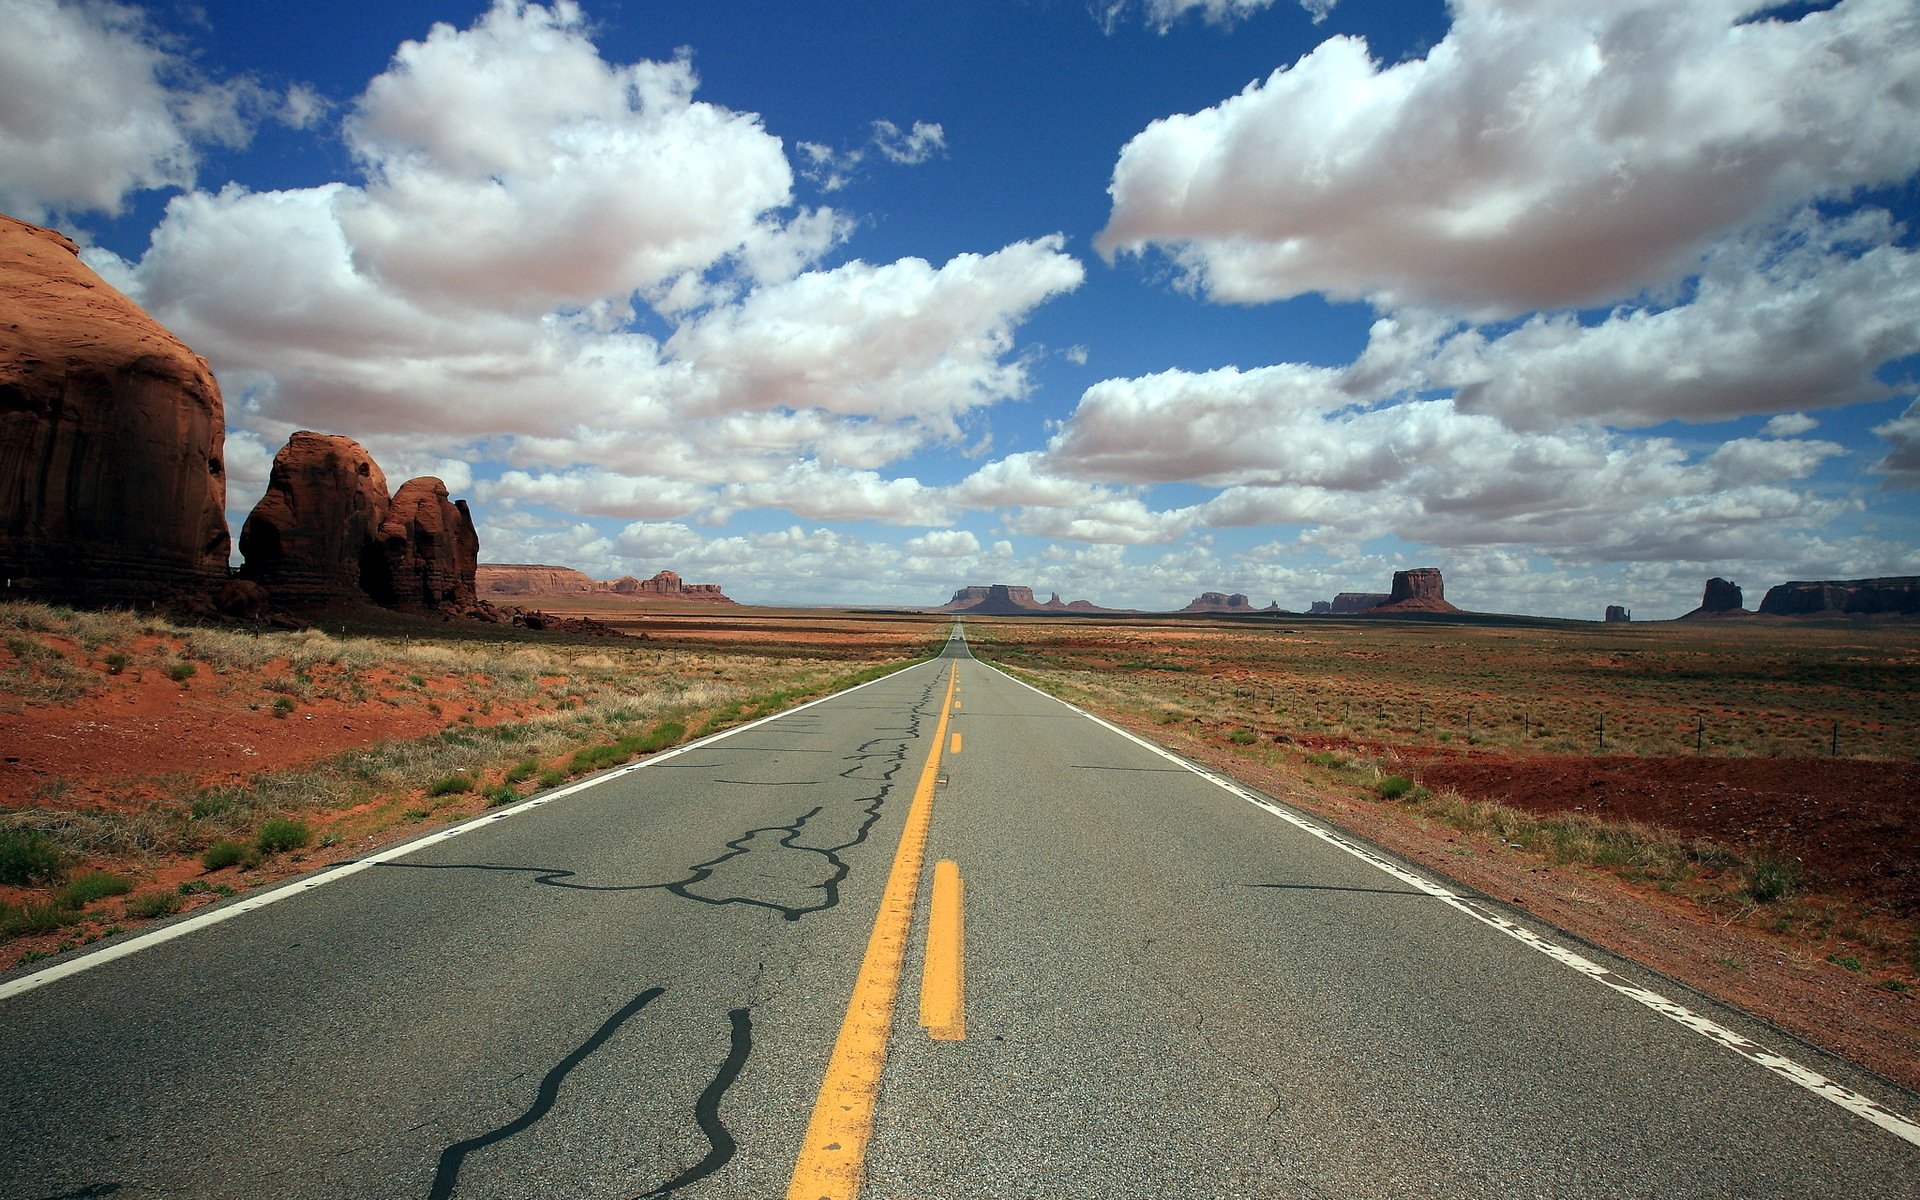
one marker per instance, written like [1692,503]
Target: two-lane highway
[637,987]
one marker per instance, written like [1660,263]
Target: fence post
[1835,751]
[1699,731]
[1602,727]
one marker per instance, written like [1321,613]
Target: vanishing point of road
[710,974]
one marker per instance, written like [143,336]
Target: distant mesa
[1722,598]
[1220,602]
[1419,590]
[1616,614]
[535,579]
[665,585]
[1349,603]
[1893,596]
[113,485]
[1009,600]
[328,531]
[1320,608]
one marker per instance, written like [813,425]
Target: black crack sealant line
[447,1175]
[890,755]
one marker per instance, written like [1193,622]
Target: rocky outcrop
[1618,614]
[1219,602]
[113,484]
[666,585]
[314,537]
[531,579]
[995,597]
[327,531]
[1893,596]
[1418,590]
[1722,598]
[430,546]
[1348,603]
[1320,608]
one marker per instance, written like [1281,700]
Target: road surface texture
[1171,990]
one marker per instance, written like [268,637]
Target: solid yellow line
[955,747]
[833,1154]
[943,977]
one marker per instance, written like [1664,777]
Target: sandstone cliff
[314,537]
[533,579]
[113,486]
[430,546]
[1006,599]
[1418,590]
[1348,603]
[666,585]
[327,531]
[1721,598]
[1893,596]
[1219,602]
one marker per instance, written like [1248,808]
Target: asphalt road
[635,990]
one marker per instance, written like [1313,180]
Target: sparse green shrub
[282,705]
[180,672]
[28,856]
[229,853]
[22,920]
[117,663]
[552,777]
[504,793]
[450,785]
[1844,960]
[1396,787]
[282,833]
[95,885]
[1771,879]
[195,887]
[1243,737]
[154,904]
[523,770]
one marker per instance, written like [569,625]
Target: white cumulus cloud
[1542,155]
[95,104]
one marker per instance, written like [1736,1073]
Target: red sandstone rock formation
[529,579]
[1722,598]
[1348,603]
[314,536]
[1894,596]
[1004,599]
[1219,602]
[666,585]
[430,546]
[1418,590]
[1618,614]
[112,434]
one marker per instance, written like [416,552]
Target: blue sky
[1124,299]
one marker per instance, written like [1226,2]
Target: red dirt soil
[1854,825]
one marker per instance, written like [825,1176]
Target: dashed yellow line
[955,747]
[833,1154]
[943,986]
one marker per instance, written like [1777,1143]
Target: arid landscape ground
[1728,802]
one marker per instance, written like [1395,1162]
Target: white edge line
[260,900]
[1854,1102]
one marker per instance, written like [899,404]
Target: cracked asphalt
[634,991]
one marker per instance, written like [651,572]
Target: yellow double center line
[834,1151]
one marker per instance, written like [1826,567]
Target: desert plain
[1729,802]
